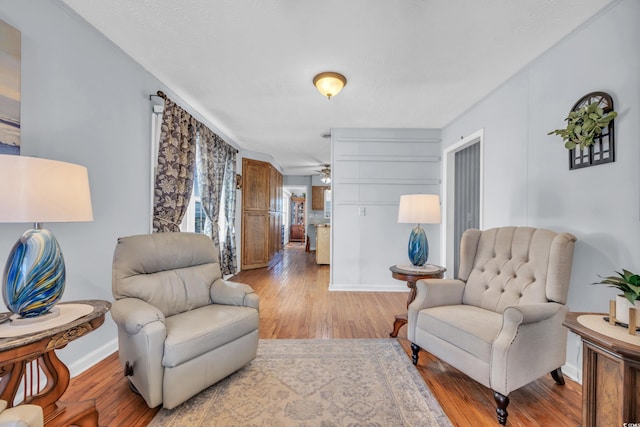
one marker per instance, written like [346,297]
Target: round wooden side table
[17,353]
[411,277]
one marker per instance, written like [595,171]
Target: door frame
[448,190]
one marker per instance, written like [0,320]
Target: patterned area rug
[325,383]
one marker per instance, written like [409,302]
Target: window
[156,124]
[195,219]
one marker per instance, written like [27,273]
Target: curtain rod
[159,94]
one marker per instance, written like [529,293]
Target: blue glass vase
[34,275]
[418,249]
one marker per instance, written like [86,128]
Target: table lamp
[38,190]
[419,209]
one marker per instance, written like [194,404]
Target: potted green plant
[629,284]
[583,125]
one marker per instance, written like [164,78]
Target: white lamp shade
[419,209]
[41,190]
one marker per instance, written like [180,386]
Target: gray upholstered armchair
[501,322]
[181,327]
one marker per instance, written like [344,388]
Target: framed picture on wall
[9,89]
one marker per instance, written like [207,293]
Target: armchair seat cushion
[199,331]
[470,328]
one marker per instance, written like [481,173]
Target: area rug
[325,383]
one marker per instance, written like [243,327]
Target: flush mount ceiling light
[329,83]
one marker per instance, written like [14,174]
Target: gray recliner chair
[501,322]
[181,327]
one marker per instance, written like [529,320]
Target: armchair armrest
[436,292]
[432,293]
[531,343]
[529,313]
[233,293]
[133,314]
[141,337]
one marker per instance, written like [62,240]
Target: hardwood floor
[295,303]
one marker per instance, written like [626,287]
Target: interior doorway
[462,195]
[295,215]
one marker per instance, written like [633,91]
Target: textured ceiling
[247,65]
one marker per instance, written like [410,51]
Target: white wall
[85,101]
[527,177]
[297,181]
[371,168]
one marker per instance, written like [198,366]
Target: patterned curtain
[176,160]
[213,177]
[209,180]
[228,253]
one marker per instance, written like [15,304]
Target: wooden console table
[610,372]
[411,277]
[17,353]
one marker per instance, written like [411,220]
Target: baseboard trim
[81,365]
[368,288]
[572,371]
[96,356]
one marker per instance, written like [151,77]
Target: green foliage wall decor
[589,135]
[584,125]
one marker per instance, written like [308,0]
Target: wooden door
[275,233]
[261,213]
[280,195]
[317,197]
[255,185]
[255,240]
[275,211]
[280,232]
[274,183]
[296,233]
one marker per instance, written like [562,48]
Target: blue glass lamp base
[418,249]
[34,276]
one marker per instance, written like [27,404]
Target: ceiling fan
[325,174]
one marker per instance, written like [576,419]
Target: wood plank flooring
[295,303]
